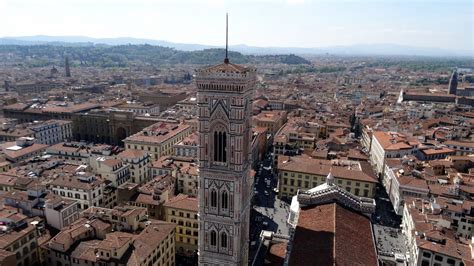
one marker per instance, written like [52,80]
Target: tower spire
[226,60]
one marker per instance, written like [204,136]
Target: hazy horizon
[263,23]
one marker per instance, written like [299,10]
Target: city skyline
[156,141]
[265,23]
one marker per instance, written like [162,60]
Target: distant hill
[86,54]
[360,49]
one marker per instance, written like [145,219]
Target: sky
[446,24]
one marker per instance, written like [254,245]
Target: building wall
[419,255]
[289,182]
[186,229]
[155,149]
[185,150]
[25,248]
[107,127]
[57,132]
[378,155]
[63,217]
[429,258]
[187,184]
[139,169]
[85,199]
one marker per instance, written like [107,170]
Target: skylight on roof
[14,148]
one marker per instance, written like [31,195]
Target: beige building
[183,169]
[389,145]
[183,211]
[303,173]
[461,147]
[400,183]
[139,165]
[128,218]
[140,108]
[79,152]
[83,187]
[273,120]
[297,135]
[5,166]
[52,131]
[95,242]
[158,139]
[18,238]
[430,242]
[113,170]
[187,178]
[153,194]
[188,147]
[7,182]
[22,149]
[60,212]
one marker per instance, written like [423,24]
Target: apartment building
[163,166]
[5,166]
[389,145]
[37,201]
[127,217]
[187,174]
[297,135]
[188,147]
[7,182]
[401,182]
[79,152]
[139,165]
[303,173]
[432,242]
[272,120]
[158,139]
[140,108]
[461,147]
[28,201]
[22,149]
[19,238]
[153,194]
[183,211]
[83,187]
[60,212]
[434,153]
[52,131]
[111,169]
[94,242]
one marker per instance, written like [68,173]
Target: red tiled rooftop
[332,235]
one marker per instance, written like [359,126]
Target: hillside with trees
[127,55]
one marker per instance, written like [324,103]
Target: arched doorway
[120,135]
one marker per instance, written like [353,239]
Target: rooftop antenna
[226,60]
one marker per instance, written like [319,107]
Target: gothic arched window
[213,238]
[220,146]
[224,200]
[223,240]
[213,198]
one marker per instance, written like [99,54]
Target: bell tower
[224,102]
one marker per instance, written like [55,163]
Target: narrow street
[268,212]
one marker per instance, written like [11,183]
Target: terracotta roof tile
[332,235]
